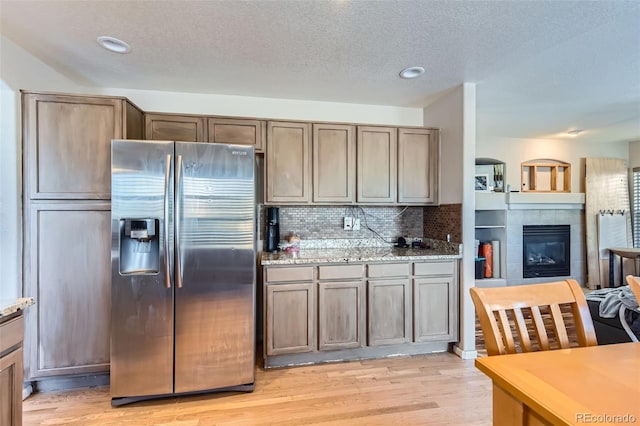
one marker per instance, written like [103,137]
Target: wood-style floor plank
[439,389]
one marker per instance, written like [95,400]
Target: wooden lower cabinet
[389,311]
[434,309]
[69,271]
[340,311]
[341,316]
[290,318]
[11,366]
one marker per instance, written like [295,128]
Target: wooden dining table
[595,384]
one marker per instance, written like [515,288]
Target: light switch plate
[356,224]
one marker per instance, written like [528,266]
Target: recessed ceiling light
[412,72]
[113,44]
[575,132]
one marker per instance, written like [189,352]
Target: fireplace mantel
[528,201]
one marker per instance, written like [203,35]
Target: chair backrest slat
[523,333]
[559,328]
[505,329]
[541,331]
[634,283]
[497,302]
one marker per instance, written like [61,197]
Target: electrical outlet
[348,223]
[356,224]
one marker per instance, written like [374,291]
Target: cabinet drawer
[11,333]
[298,273]
[339,272]
[388,270]
[433,268]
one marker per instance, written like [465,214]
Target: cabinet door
[389,312]
[237,131]
[11,388]
[334,163]
[434,309]
[418,166]
[67,145]
[290,320]
[377,152]
[340,315]
[288,162]
[68,267]
[169,127]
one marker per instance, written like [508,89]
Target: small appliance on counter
[402,243]
[273,229]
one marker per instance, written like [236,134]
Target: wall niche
[495,172]
[546,175]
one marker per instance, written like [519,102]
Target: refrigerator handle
[167,179]
[177,219]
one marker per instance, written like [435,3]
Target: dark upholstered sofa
[610,330]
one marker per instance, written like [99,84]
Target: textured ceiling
[541,67]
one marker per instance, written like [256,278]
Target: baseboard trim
[464,354]
[65,383]
[27,390]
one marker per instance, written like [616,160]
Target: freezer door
[141,285]
[215,266]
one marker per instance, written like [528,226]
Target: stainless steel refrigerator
[183,268]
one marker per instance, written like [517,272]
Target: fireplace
[546,251]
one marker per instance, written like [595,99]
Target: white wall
[573,151]
[18,70]
[455,114]
[634,154]
[284,109]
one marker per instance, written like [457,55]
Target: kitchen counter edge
[10,306]
[269,259]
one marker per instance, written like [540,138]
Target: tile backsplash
[443,220]
[319,222]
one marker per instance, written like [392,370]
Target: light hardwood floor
[439,389]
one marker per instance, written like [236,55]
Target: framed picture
[482,182]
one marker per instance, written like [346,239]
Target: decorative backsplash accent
[319,222]
[443,220]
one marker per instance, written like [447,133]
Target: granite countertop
[357,254]
[9,306]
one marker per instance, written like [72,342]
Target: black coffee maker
[273,229]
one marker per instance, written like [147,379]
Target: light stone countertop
[9,306]
[358,254]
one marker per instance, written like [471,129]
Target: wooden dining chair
[634,284]
[502,309]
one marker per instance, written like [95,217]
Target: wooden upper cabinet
[237,131]
[334,163]
[171,127]
[288,163]
[418,171]
[67,143]
[377,153]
